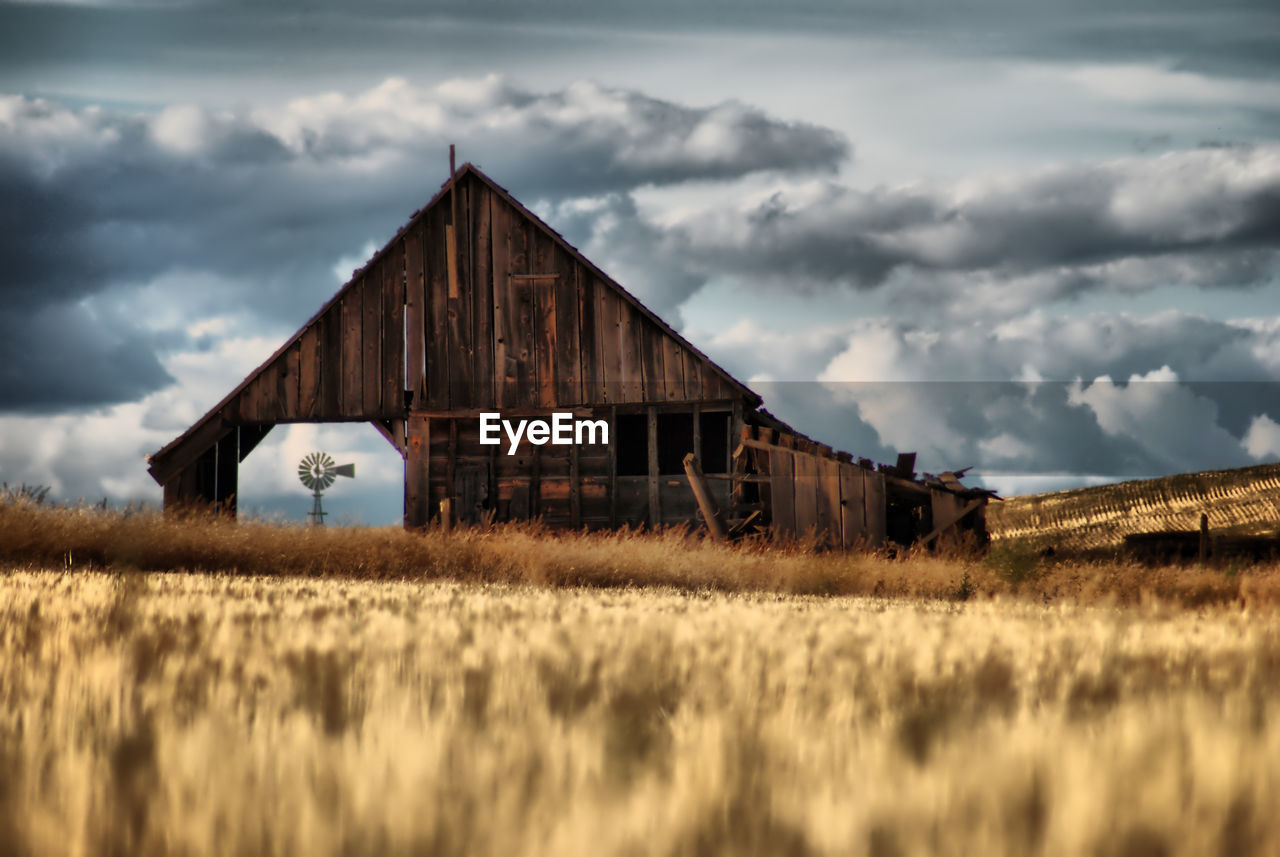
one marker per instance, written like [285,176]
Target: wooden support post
[655,512]
[706,502]
[446,514]
[417,484]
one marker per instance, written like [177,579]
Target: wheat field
[155,713]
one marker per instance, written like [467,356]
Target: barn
[477,312]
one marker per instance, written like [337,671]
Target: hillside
[1243,501]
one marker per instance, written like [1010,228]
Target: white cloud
[1262,440]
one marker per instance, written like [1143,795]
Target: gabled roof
[209,428]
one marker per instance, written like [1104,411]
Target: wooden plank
[331,362]
[693,369]
[630,352]
[545,351]
[651,362]
[568,358]
[829,499]
[461,298]
[609,339]
[874,498]
[481,255]
[806,470]
[437,333]
[782,491]
[518,334]
[292,381]
[352,351]
[393,344]
[852,512]
[500,265]
[309,373]
[371,339]
[415,299]
[673,369]
[588,348]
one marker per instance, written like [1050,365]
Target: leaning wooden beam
[969,507]
[393,431]
[706,502]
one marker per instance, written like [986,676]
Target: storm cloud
[95,203]
[1207,218]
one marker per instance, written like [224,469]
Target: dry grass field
[519,693]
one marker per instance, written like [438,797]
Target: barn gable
[497,313]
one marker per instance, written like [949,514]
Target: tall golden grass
[213,714]
[33,535]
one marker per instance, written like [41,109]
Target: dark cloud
[1002,244]
[63,356]
[95,201]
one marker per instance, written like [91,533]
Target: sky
[1039,238]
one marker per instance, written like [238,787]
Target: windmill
[317,471]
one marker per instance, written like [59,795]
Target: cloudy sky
[1037,238]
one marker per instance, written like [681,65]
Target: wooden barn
[478,307]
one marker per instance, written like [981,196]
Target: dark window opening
[675,441]
[631,444]
[715,443]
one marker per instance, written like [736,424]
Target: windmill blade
[345,470]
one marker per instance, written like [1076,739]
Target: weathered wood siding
[811,492]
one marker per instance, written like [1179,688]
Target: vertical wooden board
[806,493]
[352,352]
[545,342]
[415,299]
[631,335]
[782,490]
[609,338]
[293,375]
[309,372]
[651,361]
[516,376]
[568,366]
[672,368]
[461,331]
[371,338]
[437,332]
[417,482]
[393,345]
[500,266]
[482,296]
[693,371]
[874,499]
[829,499]
[592,374]
[331,362]
[852,512]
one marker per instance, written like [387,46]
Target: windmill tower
[317,471]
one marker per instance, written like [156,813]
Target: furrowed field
[517,693]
